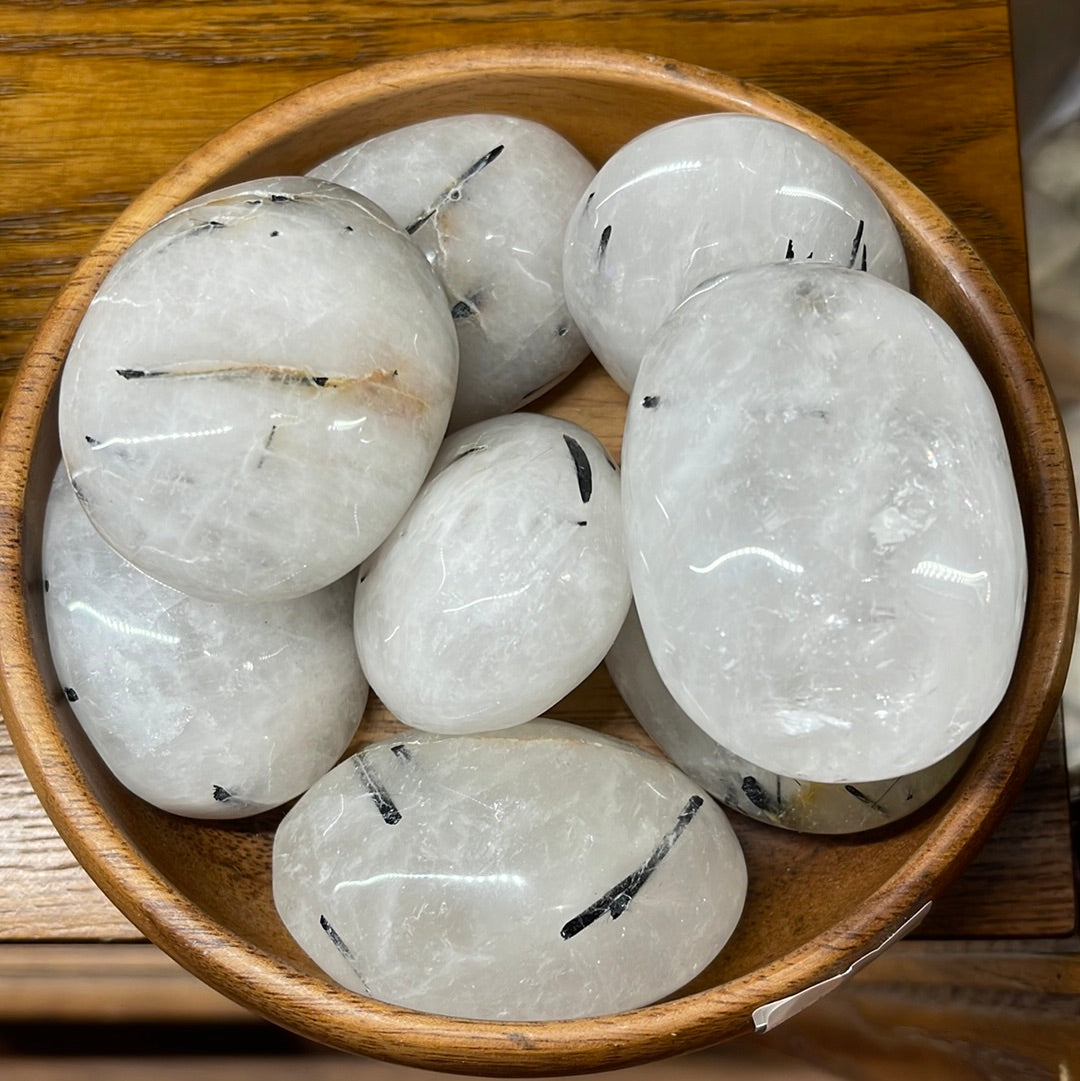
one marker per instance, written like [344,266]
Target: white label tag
[774,1013]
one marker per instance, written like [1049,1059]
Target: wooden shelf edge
[104,981]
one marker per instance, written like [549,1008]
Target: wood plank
[959,1010]
[50,993]
[44,893]
[749,1063]
[1020,886]
[986,900]
[1033,967]
[957,1013]
[104,982]
[157,79]
[99,98]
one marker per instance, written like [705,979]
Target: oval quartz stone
[805,806]
[487,199]
[541,873]
[258,389]
[206,710]
[692,198]
[825,540]
[505,583]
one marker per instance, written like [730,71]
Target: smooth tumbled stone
[823,530]
[206,710]
[505,583]
[805,806]
[695,197]
[541,873]
[487,199]
[258,389]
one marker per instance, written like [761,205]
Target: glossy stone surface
[541,873]
[258,389]
[824,537]
[690,199]
[487,199]
[505,583]
[206,710]
[805,806]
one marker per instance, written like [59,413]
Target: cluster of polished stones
[295,463]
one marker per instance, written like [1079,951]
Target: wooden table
[99,98]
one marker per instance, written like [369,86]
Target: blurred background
[1047,51]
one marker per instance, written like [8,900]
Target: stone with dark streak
[203,709]
[487,198]
[288,305]
[804,806]
[829,560]
[505,583]
[538,873]
[700,196]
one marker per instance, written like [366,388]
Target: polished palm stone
[540,873]
[692,198]
[505,583]
[824,535]
[258,389]
[805,806]
[487,199]
[203,709]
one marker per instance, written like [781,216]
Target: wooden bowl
[816,905]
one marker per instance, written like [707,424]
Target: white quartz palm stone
[505,583]
[487,199]
[805,806]
[258,389]
[537,874]
[695,197]
[203,709]
[823,529]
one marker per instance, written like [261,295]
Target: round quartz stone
[206,710]
[487,199]
[690,199]
[258,389]
[824,536]
[806,806]
[532,875]
[505,583]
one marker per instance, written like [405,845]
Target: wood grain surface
[950,1012]
[100,97]
[1020,886]
[961,1012]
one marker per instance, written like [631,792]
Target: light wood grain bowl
[202,891]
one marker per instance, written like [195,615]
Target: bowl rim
[342,1019]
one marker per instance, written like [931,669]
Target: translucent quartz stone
[541,873]
[806,806]
[690,199]
[206,710]
[505,583]
[258,389]
[487,199]
[823,530]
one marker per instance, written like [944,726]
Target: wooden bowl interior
[202,890]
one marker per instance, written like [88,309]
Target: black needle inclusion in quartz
[618,898]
